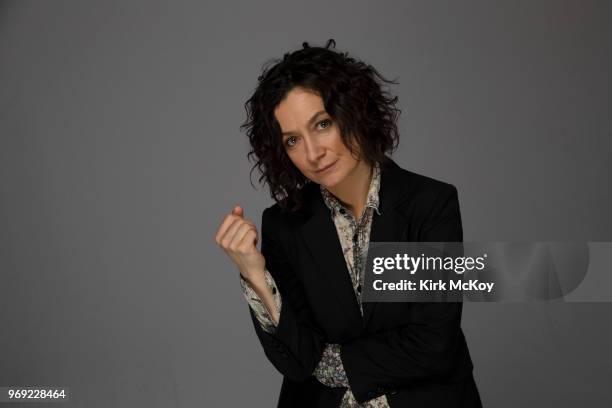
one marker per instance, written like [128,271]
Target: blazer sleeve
[378,363]
[296,345]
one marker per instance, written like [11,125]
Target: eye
[288,141]
[327,122]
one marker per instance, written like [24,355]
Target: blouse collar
[372,199]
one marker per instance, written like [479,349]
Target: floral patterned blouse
[354,235]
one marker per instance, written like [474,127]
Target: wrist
[257,279]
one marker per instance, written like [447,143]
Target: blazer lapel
[321,238]
[391,223]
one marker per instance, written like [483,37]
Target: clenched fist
[237,236]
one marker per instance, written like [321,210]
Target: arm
[329,370]
[264,310]
[296,345]
[425,348]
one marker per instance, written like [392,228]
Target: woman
[320,127]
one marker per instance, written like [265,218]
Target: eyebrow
[310,121]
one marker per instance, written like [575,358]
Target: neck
[353,191]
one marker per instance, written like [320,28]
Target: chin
[331,180]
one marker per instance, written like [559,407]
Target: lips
[325,168]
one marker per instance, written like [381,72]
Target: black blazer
[415,353]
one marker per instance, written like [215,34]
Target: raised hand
[238,237]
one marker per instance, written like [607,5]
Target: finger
[225,224]
[227,239]
[239,235]
[250,222]
[249,240]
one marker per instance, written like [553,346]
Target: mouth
[326,167]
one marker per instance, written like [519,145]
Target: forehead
[297,107]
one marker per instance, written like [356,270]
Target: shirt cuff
[330,371]
[261,313]
[349,401]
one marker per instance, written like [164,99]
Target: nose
[314,151]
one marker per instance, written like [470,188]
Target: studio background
[120,153]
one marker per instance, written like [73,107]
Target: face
[312,139]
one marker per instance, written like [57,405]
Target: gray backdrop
[120,153]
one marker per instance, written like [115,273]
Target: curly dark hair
[352,94]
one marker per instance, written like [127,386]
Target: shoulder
[277,214]
[275,217]
[431,206]
[416,188]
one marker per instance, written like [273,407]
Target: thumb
[238,210]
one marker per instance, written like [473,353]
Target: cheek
[296,158]
[337,143]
